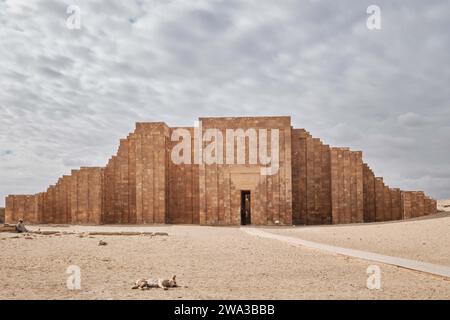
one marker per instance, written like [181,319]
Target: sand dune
[443,205]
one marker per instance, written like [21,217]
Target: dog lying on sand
[145,284]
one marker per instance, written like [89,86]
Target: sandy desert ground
[224,262]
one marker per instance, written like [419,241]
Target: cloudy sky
[68,96]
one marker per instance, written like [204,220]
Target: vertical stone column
[109,192]
[347,186]
[433,206]
[299,176]
[9,209]
[132,217]
[49,205]
[67,198]
[286,177]
[30,209]
[406,208]
[352,187]
[316,216]
[41,197]
[379,199]
[420,197]
[396,204]
[302,168]
[83,196]
[95,176]
[58,203]
[139,179]
[369,194]
[148,178]
[326,185]
[359,187]
[334,159]
[122,175]
[387,204]
[74,197]
[310,180]
[414,205]
[152,176]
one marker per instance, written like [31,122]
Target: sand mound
[443,205]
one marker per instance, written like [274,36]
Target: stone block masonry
[347,186]
[75,199]
[314,184]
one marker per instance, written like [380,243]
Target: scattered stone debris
[8,228]
[12,229]
[102,243]
[126,233]
[48,233]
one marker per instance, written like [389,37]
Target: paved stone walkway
[435,269]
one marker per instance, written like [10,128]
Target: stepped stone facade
[314,184]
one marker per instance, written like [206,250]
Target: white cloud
[68,96]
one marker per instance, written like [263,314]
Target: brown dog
[145,284]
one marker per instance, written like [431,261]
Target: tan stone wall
[136,179]
[406,204]
[369,194]
[152,176]
[418,201]
[311,179]
[9,209]
[2,215]
[315,184]
[184,204]
[347,187]
[396,204]
[220,184]
[387,204]
[430,206]
[379,200]
[22,207]
[299,176]
[74,199]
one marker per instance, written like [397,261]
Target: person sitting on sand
[20,227]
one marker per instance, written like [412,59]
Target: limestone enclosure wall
[347,186]
[314,184]
[184,204]
[74,199]
[221,184]
[136,179]
[311,179]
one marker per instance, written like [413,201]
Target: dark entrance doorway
[246,212]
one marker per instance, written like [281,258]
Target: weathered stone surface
[368,194]
[315,184]
[406,204]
